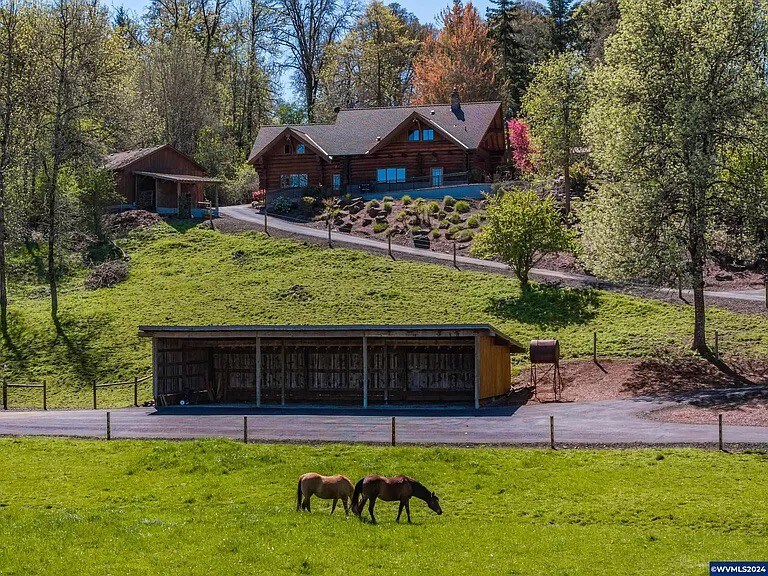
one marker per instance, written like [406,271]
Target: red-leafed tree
[459,56]
[522,149]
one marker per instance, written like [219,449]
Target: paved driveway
[248,214]
[592,423]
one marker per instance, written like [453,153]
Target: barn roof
[121,160]
[357,131]
[183,178]
[372,330]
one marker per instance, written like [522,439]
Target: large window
[437,177]
[413,135]
[390,175]
[428,134]
[300,149]
[294,181]
[336,182]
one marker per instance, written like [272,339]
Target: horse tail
[356,496]
[298,496]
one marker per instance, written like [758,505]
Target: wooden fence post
[389,245]
[455,265]
[330,243]
[245,429]
[717,345]
[720,431]
[266,210]
[45,395]
[109,428]
[594,346]
[135,391]
[393,431]
[552,432]
[94,394]
[5,394]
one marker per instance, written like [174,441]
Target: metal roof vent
[431,112]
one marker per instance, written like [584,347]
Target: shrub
[435,233]
[282,205]
[454,218]
[387,207]
[521,229]
[473,222]
[379,227]
[433,207]
[107,275]
[464,235]
[307,204]
[387,199]
[462,206]
[406,200]
[402,216]
[449,201]
[453,230]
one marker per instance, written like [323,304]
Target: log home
[384,150]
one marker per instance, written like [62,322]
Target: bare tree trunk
[5,154]
[699,343]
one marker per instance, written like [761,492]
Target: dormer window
[414,135]
[287,148]
[300,149]
[428,134]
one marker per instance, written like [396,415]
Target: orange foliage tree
[460,55]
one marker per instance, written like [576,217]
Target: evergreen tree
[513,76]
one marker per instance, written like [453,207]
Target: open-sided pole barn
[358,364]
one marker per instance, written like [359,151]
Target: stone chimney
[455,101]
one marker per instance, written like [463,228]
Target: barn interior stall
[333,365]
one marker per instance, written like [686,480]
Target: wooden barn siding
[164,161]
[397,371]
[495,368]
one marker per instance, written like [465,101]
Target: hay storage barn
[358,365]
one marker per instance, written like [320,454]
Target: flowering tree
[522,149]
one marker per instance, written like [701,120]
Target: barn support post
[258,372]
[477,372]
[155,372]
[365,372]
[178,198]
[282,373]
[386,374]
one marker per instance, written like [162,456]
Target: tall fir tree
[513,76]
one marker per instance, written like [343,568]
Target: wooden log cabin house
[164,180]
[384,150]
[334,365]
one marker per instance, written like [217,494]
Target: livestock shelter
[333,365]
[163,179]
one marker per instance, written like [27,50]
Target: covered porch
[181,195]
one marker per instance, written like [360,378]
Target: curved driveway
[247,214]
[588,423]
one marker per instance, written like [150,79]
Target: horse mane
[419,490]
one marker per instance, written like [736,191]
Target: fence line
[94,387]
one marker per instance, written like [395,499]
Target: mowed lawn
[218,507]
[195,276]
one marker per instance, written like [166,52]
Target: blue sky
[425,10]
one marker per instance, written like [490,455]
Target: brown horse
[336,487]
[399,488]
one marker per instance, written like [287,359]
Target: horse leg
[333,506]
[306,503]
[360,506]
[371,504]
[400,511]
[408,510]
[346,506]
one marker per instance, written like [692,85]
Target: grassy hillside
[128,507]
[198,276]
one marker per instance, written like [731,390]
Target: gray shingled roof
[356,130]
[121,159]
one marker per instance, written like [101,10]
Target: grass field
[218,507]
[194,276]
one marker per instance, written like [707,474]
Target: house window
[337,182]
[287,148]
[294,181]
[300,149]
[390,175]
[437,177]
[428,134]
[414,135]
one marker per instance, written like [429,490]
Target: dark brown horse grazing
[399,488]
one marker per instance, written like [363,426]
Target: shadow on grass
[77,336]
[182,225]
[543,305]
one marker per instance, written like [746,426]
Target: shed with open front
[355,364]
